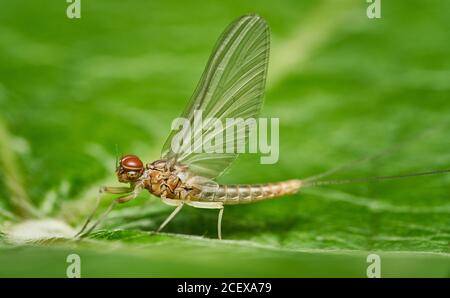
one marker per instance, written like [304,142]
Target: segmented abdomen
[248,193]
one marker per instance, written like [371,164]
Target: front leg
[112,190]
[115,189]
[102,190]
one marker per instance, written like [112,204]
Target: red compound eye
[131,162]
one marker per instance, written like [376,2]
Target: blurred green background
[344,87]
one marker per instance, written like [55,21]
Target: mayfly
[232,85]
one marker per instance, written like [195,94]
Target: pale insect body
[232,86]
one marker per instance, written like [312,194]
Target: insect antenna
[312,183]
[117,156]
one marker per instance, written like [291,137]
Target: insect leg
[171,202]
[102,190]
[211,205]
[219,223]
[119,200]
[177,203]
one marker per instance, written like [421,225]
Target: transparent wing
[232,86]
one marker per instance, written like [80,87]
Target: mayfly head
[129,169]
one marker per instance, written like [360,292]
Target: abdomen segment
[248,193]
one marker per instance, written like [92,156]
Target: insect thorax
[162,180]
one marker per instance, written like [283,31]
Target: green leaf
[344,87]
